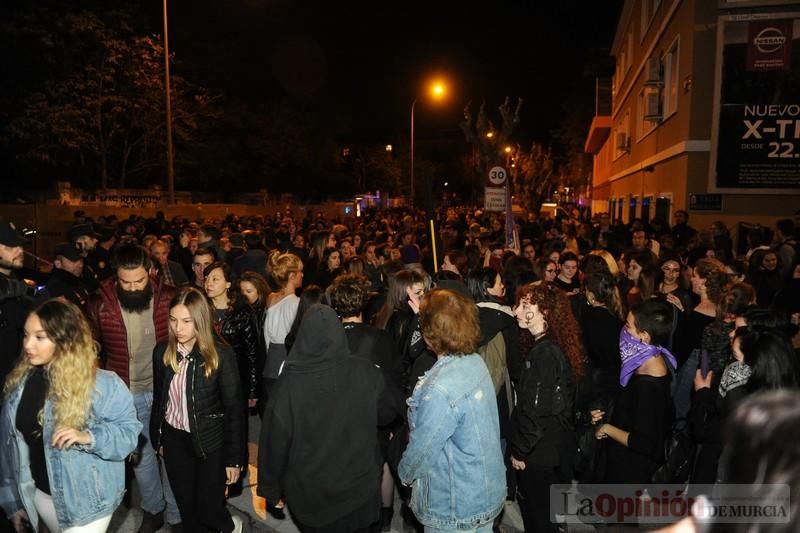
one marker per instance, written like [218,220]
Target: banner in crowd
[758,131]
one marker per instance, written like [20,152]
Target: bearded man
[130,314]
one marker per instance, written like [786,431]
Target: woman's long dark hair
[603,286]
[770,356]
[479,282]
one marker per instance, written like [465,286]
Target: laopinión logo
[666,504]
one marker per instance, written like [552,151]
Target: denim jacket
[453,458]
[86,481]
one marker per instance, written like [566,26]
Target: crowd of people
[461,371]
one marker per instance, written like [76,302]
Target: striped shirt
[177,414]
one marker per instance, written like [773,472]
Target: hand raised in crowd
[413,300]
[701,382]
[674,300]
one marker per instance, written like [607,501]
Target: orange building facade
[676,126]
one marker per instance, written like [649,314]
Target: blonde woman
[287,271]
[197,423]
[66,428]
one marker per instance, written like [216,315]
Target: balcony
[601,123]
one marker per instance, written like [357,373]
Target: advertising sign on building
[757,135]
[769,45]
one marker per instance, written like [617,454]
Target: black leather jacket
[214,403]
[239,329]
[545,404]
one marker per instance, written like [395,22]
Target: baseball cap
[67,250]
[9,235]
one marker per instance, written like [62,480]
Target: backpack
[493,354]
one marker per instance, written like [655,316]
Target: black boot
[151,522]
[386,518]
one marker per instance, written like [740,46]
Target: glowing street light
[438,91]
[507,149]
[490,135]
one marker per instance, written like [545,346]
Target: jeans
[485,528]
[683,384]
[149,473]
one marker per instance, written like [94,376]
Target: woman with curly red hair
[542,423]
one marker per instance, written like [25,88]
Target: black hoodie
[319,439]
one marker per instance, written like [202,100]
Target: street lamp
[438,90]
[170,165]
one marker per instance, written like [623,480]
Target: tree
[533,176]
[488,142]
[103,113]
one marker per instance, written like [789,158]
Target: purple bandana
[634,353]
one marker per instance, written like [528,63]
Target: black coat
[377,346]
[16,299]
[239,329]
[71,287]
[215,404]
[542,422]
[319,438]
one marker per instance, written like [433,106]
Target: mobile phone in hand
[705,363]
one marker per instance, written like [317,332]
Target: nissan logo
[769,40]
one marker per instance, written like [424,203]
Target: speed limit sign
[497,176]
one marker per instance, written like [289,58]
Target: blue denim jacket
[453,457]
[86,481]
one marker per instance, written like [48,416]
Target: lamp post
[170,165]
[438,90]
[411,192]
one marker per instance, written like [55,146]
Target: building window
[632,210]
[629,51]
[622,136]
[663,206]
[643,125]
[671,79]
[649,9]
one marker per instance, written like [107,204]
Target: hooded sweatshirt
[319,439]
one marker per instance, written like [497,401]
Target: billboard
[756,137]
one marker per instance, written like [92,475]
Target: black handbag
[679,455]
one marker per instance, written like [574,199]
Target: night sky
[294,82]
[368,62]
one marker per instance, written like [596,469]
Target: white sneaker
[237,524]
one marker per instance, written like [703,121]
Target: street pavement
[249,506]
